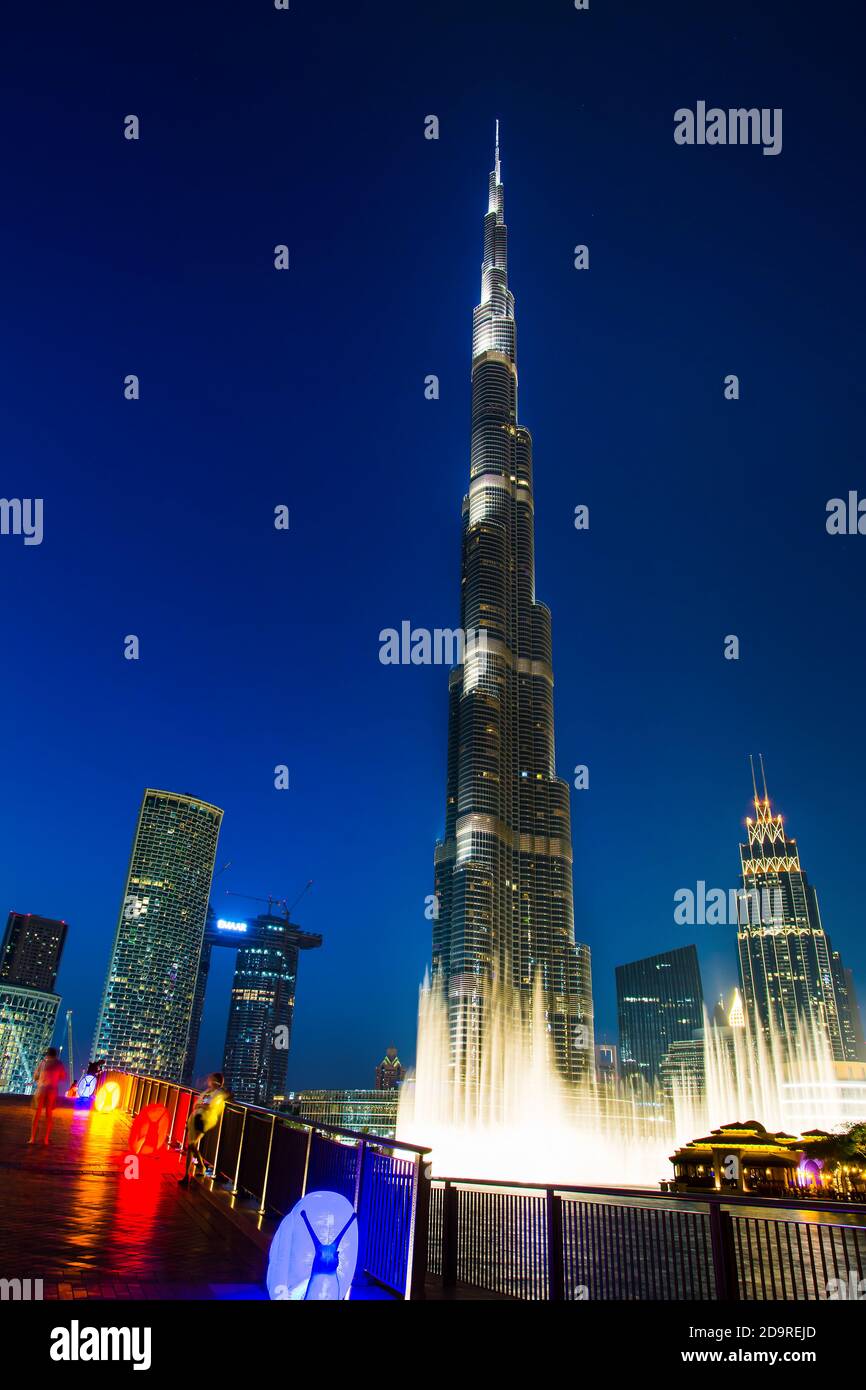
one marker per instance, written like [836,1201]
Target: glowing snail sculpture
[315,1250]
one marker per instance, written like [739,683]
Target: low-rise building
[368,1112]
[741,1157]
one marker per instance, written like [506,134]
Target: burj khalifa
[503,871]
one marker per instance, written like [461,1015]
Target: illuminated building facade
[31,950]
[766,1163]
[839,1098]
[787,967]
[682,1070]
[259,1030]
[736,1014]
[29,961]
[606,1066]
[850,1019]
[503,871]
[147,1004]
[659,1001]
[368,1112]
[389,1072]
[27,1019]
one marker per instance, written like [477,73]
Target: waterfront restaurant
[741,1157]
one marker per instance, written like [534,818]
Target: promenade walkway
[69,1217]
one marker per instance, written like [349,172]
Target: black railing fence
[275,1159]
[521,1241]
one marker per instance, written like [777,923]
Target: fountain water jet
[506,1114]
[509,1115]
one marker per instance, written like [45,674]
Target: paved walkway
[70,1217]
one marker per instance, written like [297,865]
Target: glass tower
[31,950]
[29,961]
[27,1020]
[503,869]
[389,1072]
[147,1003]
[660,1001]
[787,968]
[259,1029]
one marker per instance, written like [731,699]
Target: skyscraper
[786,960]
[849,1010]
[259,1029]
[856,1016]
[147,1003]
[389,1072]
[29,961]
[503,869]
[31,950]
[27,1021]
[660,1001]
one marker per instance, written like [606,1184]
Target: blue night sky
[306,388]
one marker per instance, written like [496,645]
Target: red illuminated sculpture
[149,1131]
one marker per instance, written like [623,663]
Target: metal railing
[275,1159]
[522,1240]
[517,1240]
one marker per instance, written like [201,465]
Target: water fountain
[507,1114]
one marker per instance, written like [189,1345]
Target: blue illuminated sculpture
[315,1250]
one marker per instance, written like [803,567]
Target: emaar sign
[223,925]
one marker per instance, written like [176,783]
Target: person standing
[49,1076]
[203,1117]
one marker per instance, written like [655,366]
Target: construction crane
[70,1068]
[272,902]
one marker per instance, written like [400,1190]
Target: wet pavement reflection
[76,1215]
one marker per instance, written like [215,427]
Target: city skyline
[252,640]
[240,1048]
[345,957]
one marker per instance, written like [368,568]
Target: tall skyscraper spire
[764,778]
[786,959]
[503,868]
